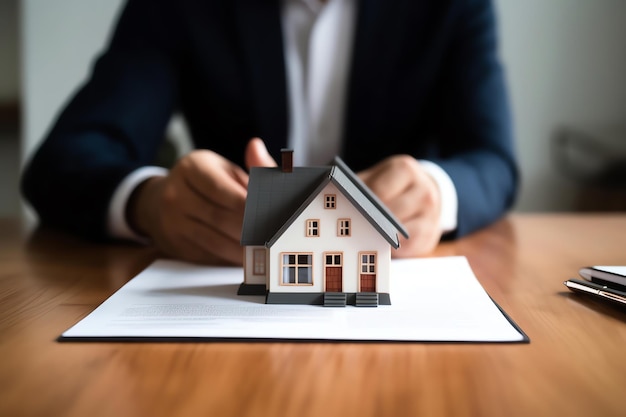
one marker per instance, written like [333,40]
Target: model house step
[367,299]
[335,299]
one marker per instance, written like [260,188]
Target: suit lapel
[367,73]
[262,42]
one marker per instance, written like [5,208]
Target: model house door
[333,268]
[368,272]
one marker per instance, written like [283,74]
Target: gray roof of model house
[276,198]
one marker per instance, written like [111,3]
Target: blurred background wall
[565,63]
[9,107]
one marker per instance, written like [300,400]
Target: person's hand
[413,197]
[195,213]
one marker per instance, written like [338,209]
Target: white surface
[437,299]
[617,270]
[616,274]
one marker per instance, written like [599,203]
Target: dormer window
[312,227]
[344,227]
[330,201]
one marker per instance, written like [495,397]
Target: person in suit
[410,94]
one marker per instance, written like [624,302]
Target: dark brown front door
[334,272]
[368,283]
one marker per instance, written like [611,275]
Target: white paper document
[433,299]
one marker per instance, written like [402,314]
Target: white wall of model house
[363,238]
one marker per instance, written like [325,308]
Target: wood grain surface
[574,365]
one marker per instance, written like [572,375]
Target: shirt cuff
[117,226]
[449,199]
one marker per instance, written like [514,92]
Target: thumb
[257,155]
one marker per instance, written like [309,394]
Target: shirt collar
[314,5]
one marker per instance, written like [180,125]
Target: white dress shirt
[318,39]
[318,44]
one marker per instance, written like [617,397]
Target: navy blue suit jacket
[424,80]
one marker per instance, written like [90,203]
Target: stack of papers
[433,300]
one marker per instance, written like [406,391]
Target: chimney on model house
[286,160]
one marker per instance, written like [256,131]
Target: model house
[316,235]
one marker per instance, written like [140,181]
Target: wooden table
[574,365]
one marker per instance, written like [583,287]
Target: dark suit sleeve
[112,126]
[475,123]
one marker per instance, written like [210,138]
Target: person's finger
[214,243]
[256,154]
[406,205]
[201,209]
[215,179]
[390,178]
[203,247]
[420,199]
[199,240]
[424,234]
[226,220]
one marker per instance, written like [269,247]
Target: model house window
[313,228]
[297,268]
[330,201]
[368,263]
[333,259]
[258,262]
[343,227]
